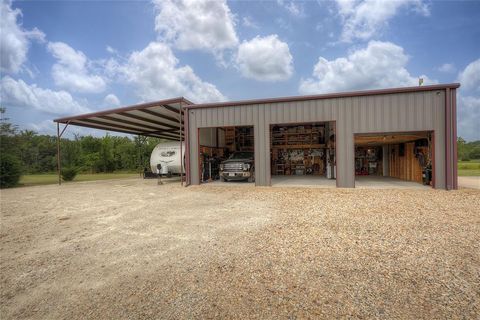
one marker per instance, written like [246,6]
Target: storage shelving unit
[308,143]
[298,137]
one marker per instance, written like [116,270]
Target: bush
[475,153]
[10,171]
[68,174]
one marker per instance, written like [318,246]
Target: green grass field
[42,179]
[469,168]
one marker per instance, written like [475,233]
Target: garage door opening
[303,154]
[226,155]
[394,160]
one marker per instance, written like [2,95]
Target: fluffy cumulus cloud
[196,24]
[468,117]
[50,128]
[111,100]
[447,68]
[294,8]
[265,59]
[17,93]
[71,71]
[249,22]
[362,19]
[155,74]
[14,40]
[470,76]
[379,65]
[468,100]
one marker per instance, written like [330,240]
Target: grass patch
[52,178]
[469,168]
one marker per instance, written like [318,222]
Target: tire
[222,179]
[252,177]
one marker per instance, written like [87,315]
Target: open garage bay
[133,249]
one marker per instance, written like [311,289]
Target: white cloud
[111,50]
[447,68]
[379,65]
[17,93]
[468,117]
[470,76]
[265,59]
[43,127]
[111,100]
[49,127]
[196,24]
[155,73]
[468,111]
[72,70]
[14,40]
[362,19]
[249,23]
[294,8]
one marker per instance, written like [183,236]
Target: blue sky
[66,57]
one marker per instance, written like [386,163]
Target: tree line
[27,152]
[468,150]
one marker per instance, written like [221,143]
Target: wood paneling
[406,167]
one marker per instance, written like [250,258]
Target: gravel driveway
[132,249]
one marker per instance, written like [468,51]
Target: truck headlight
[221,166]
[246,167]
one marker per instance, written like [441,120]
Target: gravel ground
[132,249]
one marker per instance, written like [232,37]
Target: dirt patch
[132,249]
[469,182]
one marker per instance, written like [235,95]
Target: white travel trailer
[167,154]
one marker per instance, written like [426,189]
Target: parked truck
[239,166]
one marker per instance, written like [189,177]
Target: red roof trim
[326,96]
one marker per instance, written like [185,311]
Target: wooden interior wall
[406,167]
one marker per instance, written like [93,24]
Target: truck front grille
[232,167]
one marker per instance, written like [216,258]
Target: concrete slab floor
[365,182]
[303,181]
[218,183]
[378,182]
[362,182]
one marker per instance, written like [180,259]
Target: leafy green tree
[106,154]
[10,163]
[68,174]
[10,170]
[475,153]
[71,152]
[461,148]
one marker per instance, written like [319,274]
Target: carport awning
[160,119]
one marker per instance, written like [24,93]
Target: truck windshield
[241,155]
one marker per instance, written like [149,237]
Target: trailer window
[167,154]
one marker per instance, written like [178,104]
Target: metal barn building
[401,133]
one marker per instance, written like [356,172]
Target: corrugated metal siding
[417,111]
[208,137]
